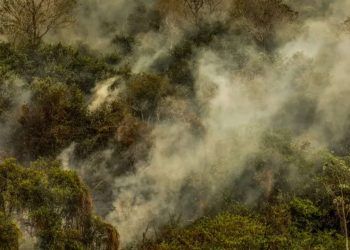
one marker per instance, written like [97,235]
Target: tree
[193,10]
[7,95]
[223,231]
[9,233]
[52,205]
[26,22]
[55,117]
[144,93]
[143,19]
[194,6]
[336,179]
[260,17]
[214,5]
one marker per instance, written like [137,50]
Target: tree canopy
[51,204]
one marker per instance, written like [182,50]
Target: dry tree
[26,22]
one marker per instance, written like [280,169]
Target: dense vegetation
[104,110]
[53,205]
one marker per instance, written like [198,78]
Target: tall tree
[336,180]
[26,22]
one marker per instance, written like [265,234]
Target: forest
[174,124]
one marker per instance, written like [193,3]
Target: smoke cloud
[303,87]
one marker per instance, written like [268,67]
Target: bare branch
[29,21]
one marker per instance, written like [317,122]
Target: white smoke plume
[237,114]
[185,172]
[103,92]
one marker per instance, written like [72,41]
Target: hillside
[174,124]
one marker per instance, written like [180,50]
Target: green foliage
[306,215]
[298,196]
[144,92]
[274,168]
[224,231]
[53,204]
[143,19]
[239,228]
[7,95]
[55,117]
[11,59]
[68,65]
[301,216]
[319,240]
[9,233]
[102,128]
[336,175]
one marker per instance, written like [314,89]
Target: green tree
[336,179]
[53,205]
[54,118]
[143,94]
[224,231]
[9,233]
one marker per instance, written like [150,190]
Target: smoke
[154,46]
[91,19]
[103,92]
[10,108]
[3,38]
[186,173]
[302,87]
[97,22]
[14,93]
